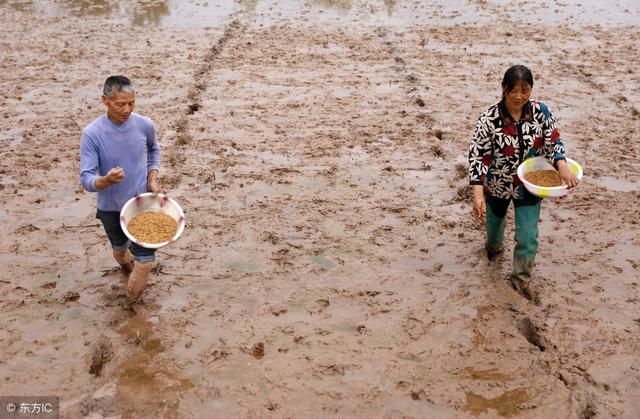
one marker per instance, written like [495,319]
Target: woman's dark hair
[514,75]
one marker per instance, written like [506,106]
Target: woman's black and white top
[500,144]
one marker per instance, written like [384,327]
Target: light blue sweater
[131,145]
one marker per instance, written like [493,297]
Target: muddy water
[505,404]
[146,382]
[615,184]
[191,13]
[330,267]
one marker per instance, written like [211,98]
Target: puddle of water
[618,12]
[426,183]
[386,89]
[140,328]
[615,184]
[25,113]
[146,384]
[210,13]
[323,261]
[14,135]
[8,180]
[72,210]
[255,191]
[245,266]
[298,301]
[478,338]
[442,336]
[484,309]
[506,404]
[624,255]
[491,374]
[354,154]
[615,319]
[277,159]
[63,193]
[362,175]
[239,258]
[152,13]
[407,407]
[176,300]
[341,92]
[335,4]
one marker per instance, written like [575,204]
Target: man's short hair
[117,84]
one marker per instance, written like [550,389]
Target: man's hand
[565,174]
[479,205]
[152,182]
[113,176]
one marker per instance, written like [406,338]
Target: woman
[506,134]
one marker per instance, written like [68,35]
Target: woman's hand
[565,174]
[479,205]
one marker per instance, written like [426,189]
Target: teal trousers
[527,212]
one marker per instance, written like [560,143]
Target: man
[119,159]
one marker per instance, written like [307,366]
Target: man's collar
[505,116]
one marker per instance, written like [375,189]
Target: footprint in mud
[101,354]
[318,306]
[258,350]
[118,297]
[525,288]
[531,332]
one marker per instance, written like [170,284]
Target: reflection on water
[182,12]
[507,404]
[150,12]
[338,4]
[211,13]
[20,6]
[248,5]
[491,375]
[147,385]
[391,5]
[615,184]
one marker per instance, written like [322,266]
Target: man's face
[119,106]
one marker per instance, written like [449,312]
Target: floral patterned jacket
[500,144]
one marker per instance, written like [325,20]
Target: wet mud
[330,266]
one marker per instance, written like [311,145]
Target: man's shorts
[119,241]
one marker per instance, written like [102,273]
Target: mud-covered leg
[496,222]
[138,280]
[144,259]
[125,259]
[524,253]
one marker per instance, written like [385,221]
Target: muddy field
[330,267]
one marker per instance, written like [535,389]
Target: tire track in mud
[194,96]
[410,83]
[528,316]
[201,78]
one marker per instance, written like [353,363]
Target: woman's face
[518,96]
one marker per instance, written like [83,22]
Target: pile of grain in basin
[544,178]
[152,227]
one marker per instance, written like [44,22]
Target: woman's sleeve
[480,151]
[553,148]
